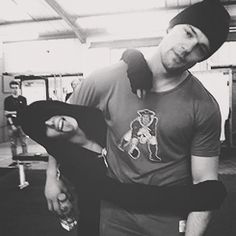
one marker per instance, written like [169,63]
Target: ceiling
[103,22]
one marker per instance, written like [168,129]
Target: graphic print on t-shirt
[142,132]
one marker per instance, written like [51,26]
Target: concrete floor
[223,221]
[33,147]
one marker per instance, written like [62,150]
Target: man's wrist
[52,173]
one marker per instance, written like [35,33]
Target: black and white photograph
[118,118]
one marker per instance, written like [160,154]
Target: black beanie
[210,17]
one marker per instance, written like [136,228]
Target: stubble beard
[172,68]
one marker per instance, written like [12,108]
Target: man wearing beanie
[170,137]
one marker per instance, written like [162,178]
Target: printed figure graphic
[143,131]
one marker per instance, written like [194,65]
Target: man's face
[183,47]
[15,89]
[75,83]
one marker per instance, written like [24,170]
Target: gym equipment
[23,182]
[21,158]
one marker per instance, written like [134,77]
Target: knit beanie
[210,17]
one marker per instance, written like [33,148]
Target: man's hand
[53,187]
[141,93]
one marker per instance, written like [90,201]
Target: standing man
[186,117]
[74,84]
[12,105]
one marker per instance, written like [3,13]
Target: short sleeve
[98,87]
[207,129]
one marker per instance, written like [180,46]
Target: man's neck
[15,95]
[164,83]
[162,79]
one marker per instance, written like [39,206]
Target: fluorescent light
[18,32]
[139,23]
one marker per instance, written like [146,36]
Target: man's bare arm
[203,168]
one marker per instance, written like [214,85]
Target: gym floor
[33,147]
[24,212]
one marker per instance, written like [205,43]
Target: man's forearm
[8,113]
[52,167]
[197,223]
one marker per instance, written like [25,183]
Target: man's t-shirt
[67,96]
[14,104]
[150,140]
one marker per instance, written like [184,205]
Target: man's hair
[13,82]
[210,17]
